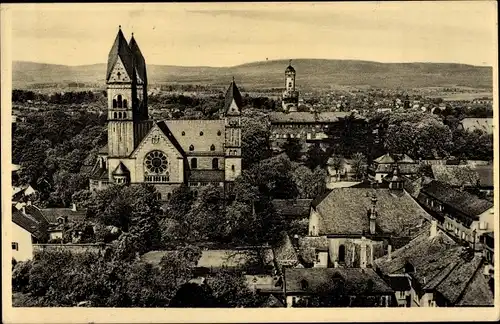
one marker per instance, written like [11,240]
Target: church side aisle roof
[120,49]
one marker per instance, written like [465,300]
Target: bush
[21,275]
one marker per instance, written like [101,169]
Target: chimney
[389,252]
[24,209]
[373,214]
[433,228]
[29,203]
[73,208]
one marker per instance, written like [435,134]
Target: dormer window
[304,284]
[183,133]
[212,147]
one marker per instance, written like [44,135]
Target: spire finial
[233,78]
[132,34]
[290,62]
[120,27]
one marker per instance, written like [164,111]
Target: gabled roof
[355,281]
[344,211]
[272,302]
[298,208]
[290,69]
[120,50]
[232,93]
[121,170]
[26,222]
[468,204]
[37,214]
[139,61]
[166,131]
[386,158]
[455,175]
[399,283]
[52,214]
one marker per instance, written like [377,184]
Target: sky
[228,34]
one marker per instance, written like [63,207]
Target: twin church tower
[165,153]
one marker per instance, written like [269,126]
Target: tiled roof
[462,201]
[356,281]
[37,214]
[408,168]
[285,253]
[477,293]
[440,266]
[307,117]
[52,214]
[455,175]
[290,69]
[232,93]
[386,159]
[26,222]
[206,176]
[399,283]
[485,173]
[201,134]
[292,207]
[120,49]
[308,246]
[139,61]
[484,124]
[167,131]
[99,173]
[121,169]
[344,211]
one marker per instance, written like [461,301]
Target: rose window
[156,162]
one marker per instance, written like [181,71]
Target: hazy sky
[230,34]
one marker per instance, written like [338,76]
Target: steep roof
[386,158]
[202,134]
[455,175]
[172,138]
[37,214]
[462,201]
[52,214]
[441,265]
[399,283]
[344,211]
[284,252]
[26,222]
[290,69]
[356,281]
[297,208]
[232,93]
[139,61]
[120,50]
[121,169]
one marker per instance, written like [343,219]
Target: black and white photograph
[249,155]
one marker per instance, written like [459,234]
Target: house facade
[25,232]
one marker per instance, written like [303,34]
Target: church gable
[118,72]
[156,139]
[233,108]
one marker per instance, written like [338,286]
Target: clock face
[156,162]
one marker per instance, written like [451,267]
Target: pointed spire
[232,94]
[120,27]
[120,50]
[139,61]
[233,78]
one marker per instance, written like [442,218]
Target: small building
[461,214]
[25,232]
[359,222]
[349,287]
[384,165]
[401,285]
[442,273]
[467,176]
[484,124]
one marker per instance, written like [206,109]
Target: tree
[316,157]
[358,165]
[337,164]
[293,148]
[309,183]
[231,290]
[255,144]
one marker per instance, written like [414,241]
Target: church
[164,153]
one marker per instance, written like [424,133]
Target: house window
[212,147]
[402,294]
[169,195]
[341,253]
[215,164]
[194,163]
[183,133]
[294,301]
[304,284]
[15,246]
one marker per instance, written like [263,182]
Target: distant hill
[311,74]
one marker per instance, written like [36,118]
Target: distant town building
[484,124]
[290,97]
[383,166]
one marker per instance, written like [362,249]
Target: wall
[322,260]
[75,248]
[205,162]
[313,223]
[55,235]
[231,175]
[24,243]
[353,258]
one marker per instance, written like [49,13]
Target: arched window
[114,103]
[341,253]
[124,103]
[115,115]
[212,147]
[183,133]
[194,163]
[201,133]
[119,100]
[232,167]
[120,115]
[215,164]
[191,147]
[124,115]
[218,133]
